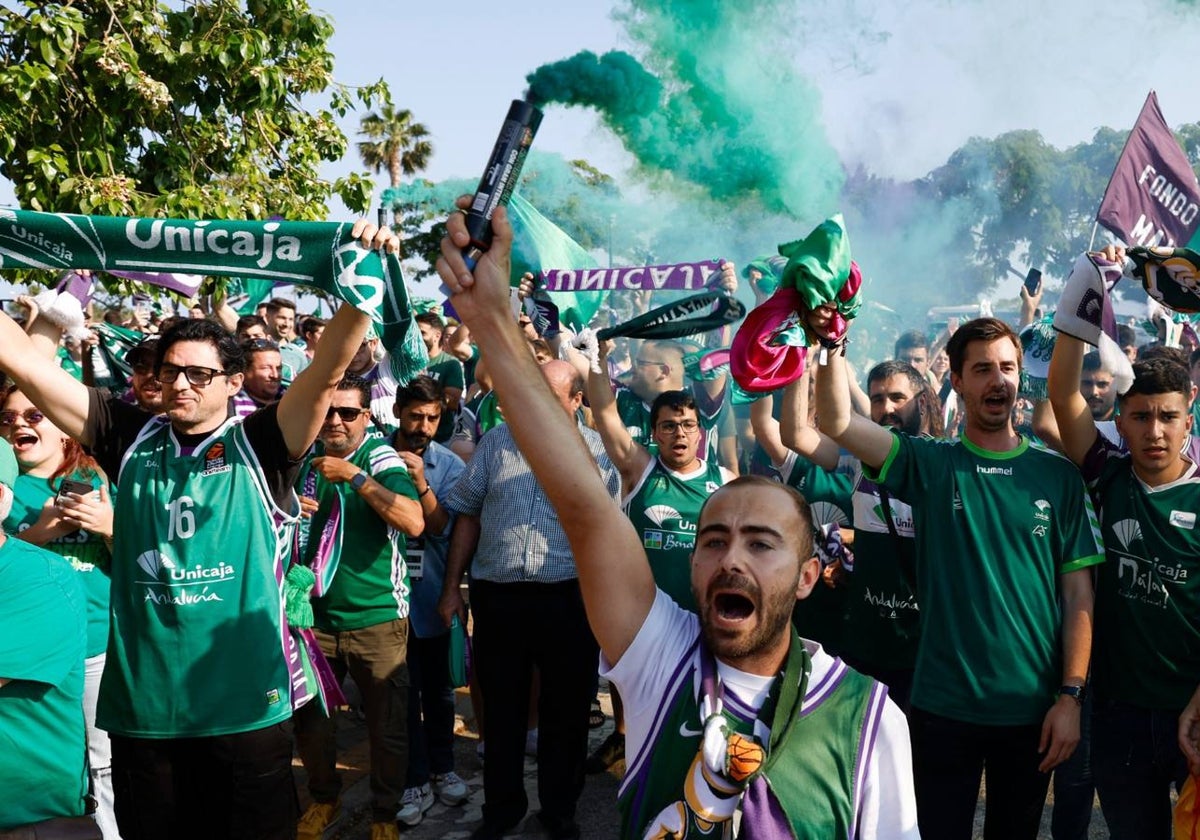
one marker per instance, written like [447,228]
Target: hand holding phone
[79,488]
[1033,282]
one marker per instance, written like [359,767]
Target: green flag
[539,244]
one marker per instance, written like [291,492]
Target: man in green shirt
[43,637]
[196,690]
[1004,532]
[443,369]
[357,490]
[1147,643]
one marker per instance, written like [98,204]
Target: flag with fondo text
[1153,198]
[319,254]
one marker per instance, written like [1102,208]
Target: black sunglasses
[348,413]
[196,375]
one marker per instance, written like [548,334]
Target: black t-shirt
[113,426]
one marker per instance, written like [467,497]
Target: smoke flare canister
[500,177]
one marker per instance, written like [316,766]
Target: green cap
[8,464]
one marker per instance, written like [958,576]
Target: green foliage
[185,109]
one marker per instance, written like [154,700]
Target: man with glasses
[357,490]
[663,494]
[196,695]
[144,390]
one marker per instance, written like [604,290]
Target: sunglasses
[31,416]
[347,413]
[196,375]
[259,344]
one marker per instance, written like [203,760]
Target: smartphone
[79,488]
[1033,282]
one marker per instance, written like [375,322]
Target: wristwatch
[1075,692]
[360,478]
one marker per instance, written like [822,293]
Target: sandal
[596,716]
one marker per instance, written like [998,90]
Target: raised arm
[1076,428]
[302,407]
[628,456]
[61,396]
[795,431]
[868,442]
[614,576]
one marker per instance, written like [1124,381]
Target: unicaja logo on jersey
[1041,510]
[659,514]
[171,583]
[1127,531]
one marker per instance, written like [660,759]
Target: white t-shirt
[649,672]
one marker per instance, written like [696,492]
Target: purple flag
[688,277]
[1153,197]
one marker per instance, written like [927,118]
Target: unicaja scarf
[319,254]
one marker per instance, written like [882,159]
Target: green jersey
[1147,637]
[43,770]
[198,643]
[664,507]
[371,585]
[448,371]
[86,552]
[820,616]
[994,531]
[882,616]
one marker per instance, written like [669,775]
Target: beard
[773,613]
[907,420]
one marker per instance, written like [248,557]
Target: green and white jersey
[198,638]
[821,615]
[86,552]
[994,531]
[664,507]
[1146,648]
[882,616]
[371,585]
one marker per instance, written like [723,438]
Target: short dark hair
[253,346]
[807,529]
[233,360]
[673,401]
[1126,336]
[1195,357]
[311,324]
[142,353]
[430,318]
[1160,376]
[275,304]
[1150,352]
[1092,362]
[422,389]
[895,367]
[350,382]
[979,329]
[246,322]
[911,340]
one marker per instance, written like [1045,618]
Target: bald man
[528,611]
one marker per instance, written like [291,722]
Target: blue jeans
[430,708]
[1136,759]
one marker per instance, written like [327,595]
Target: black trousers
[234,786]
[949,757]
[518,626]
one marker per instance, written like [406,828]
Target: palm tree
[394,142]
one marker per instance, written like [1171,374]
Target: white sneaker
[450,789]
[413,805]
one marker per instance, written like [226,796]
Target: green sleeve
[1083,544]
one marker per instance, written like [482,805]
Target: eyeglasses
[348,413]
[31,416]
[196,375]
[670,427]
[143,368]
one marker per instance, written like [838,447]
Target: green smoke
[710,108]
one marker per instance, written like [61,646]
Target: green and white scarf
[319,254]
